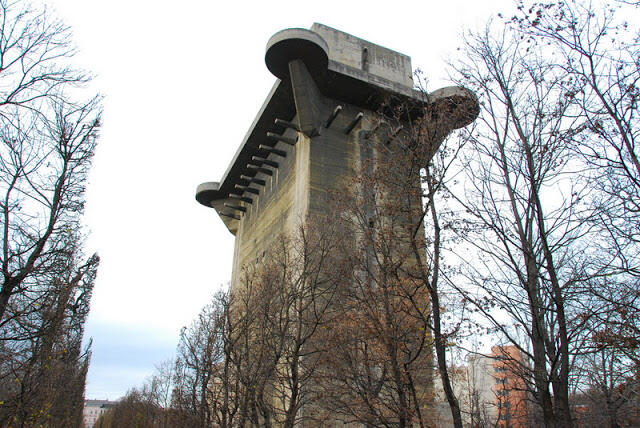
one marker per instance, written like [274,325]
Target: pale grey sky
[183,82]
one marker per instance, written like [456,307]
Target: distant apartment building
[490,390]
[93,409]
[509,372]
[480,404]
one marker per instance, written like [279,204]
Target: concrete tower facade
[308,135]
[314,134]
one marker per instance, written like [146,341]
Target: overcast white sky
[183,82]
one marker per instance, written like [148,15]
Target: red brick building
[509,387]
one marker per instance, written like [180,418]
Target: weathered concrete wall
[358,53]
[334,159]
[319,70]
[279,207]
[298,187]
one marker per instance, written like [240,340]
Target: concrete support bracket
[307,97]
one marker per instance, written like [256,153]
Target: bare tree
[47,145]
[390,301]
[252,347]
[136,409]
[596,48]
[42,374]
[278,318]
[609,390]
[594,51]
[200,351]
[305,267]
[528,221]
[48,132]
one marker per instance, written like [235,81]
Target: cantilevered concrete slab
[306,138]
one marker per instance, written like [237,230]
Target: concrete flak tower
[307,137]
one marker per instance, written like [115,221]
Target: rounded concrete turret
[206,193]
[455,106]
[296,43]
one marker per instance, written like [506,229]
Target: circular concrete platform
[206,193]
[296,43]
[456,105]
